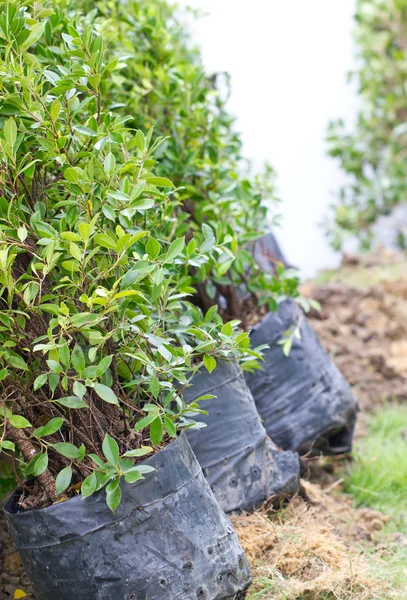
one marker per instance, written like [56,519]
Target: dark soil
[12,575]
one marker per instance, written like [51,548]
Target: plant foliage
[97,262]
[374,155]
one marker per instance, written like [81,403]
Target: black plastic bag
[241,463]
[305,402]
[267,253]
[168,539]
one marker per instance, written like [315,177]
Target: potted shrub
[203,153]
[98,337]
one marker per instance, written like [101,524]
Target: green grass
[362,276]
[378,479]
[378,476]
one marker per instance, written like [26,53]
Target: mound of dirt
[365,331]
[312,549]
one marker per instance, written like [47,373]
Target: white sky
[288,61]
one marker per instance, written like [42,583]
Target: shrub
[373,156]
[98,335]
[166,85]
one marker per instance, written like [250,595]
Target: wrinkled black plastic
[167,540]
[241,463]
[267,253]
[304,401]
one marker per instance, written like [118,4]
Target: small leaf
[106,393]
[63,479]
[101,239]
[103,365]
[79,389]
[36,32]
[139,451]
[78,359]
[19,422]
[19,594]
[111,450]
[113,498]
[54,366]
[109,164]
[67,450]
[50,428]
[133,475]
[41,464]
[89,485]
[144,422]
[160,182]
[175,249]
[72,402]
[156,431]
[170,427]
[209,362]
[154,386]
[39,382]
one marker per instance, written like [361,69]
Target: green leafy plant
[98,333]
[166,86]
[373,155]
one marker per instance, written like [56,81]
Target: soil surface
[364,328]
[12,575]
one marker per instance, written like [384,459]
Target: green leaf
[139,451]
[79,389]
[175,249]
[10,132]
[109,164]
[153,247]
[72,402]
[41,464]
[75,251]
[106,393]
[227,329]
[133,475]
[103,365]
[111,450]
[144,422]
[78,359]
[67,450]
[160,182]
[89,485]
[156,431]
[154,386]
[209,362]
[101,239]
[7,445]
[54,366]
[113,498]
[50,428]
[63,479]
[85,130]
[36,32]
[39,381]
[63,352]
[170,427]
[19,422]
[17,361]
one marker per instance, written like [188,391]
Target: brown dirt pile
[365,331]
[310,550]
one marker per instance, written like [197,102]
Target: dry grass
[313,549]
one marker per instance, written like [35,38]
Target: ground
[345,536]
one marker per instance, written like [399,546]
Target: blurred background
[288,63]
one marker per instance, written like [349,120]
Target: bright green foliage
[167,86]
[97,335]
[374,155]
